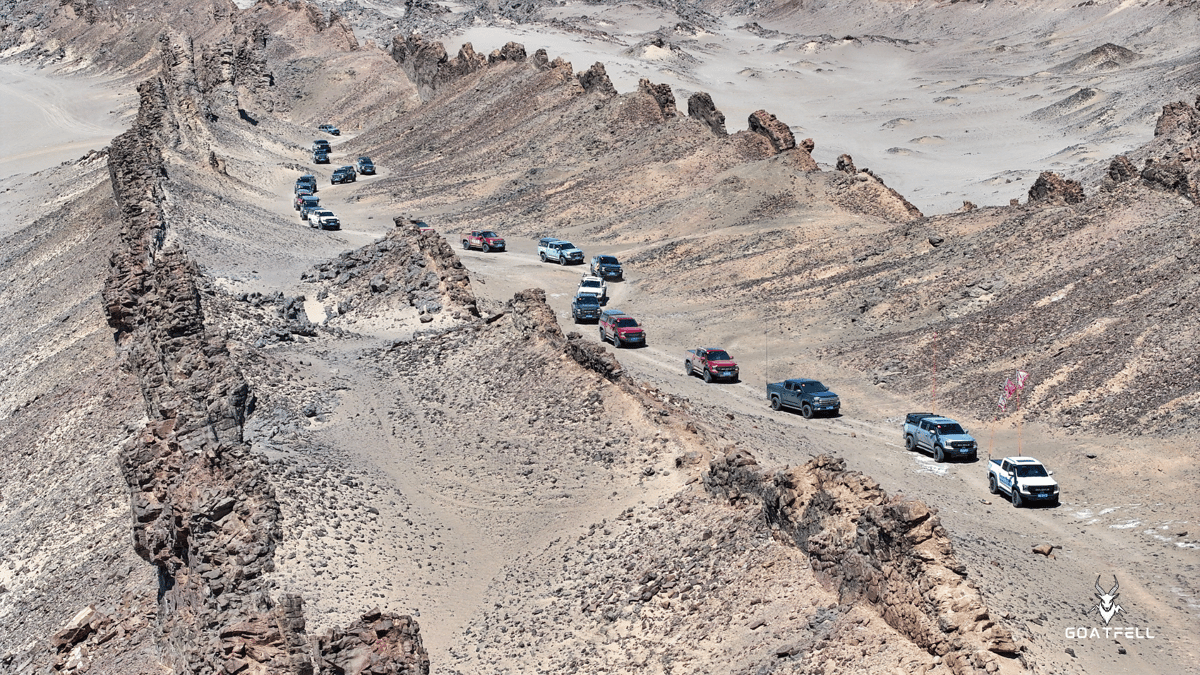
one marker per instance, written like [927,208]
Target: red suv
[620,328]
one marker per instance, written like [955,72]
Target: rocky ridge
[889,553]
[204,514]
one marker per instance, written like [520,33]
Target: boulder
[701,106]
[595,80]
[767,125]
[1054,189]
[661,93]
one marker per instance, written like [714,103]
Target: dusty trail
[1043,596]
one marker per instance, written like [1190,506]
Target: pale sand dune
[49,119]
[988,78]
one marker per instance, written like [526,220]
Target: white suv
[590,285]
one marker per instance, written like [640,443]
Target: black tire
[939,455]
[562,260]
[602,338]
[735,379]
[992,487]
[543,256]
[775,403]
[485,248]
[707,376]
[1054,502]
[466,245]
[807,411]
[687,368]
[1016,497]
[910,443]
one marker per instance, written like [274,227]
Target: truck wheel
[485,247]
[807,411]
[543,255]
[939,454]
[910,443]
[687,368]
[775,405]
[707,376]
[1016,497]
[992,485]
[562,260]
[466,245]
[602,340]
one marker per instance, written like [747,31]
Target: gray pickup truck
[559,251]
[940,436]
[810,397]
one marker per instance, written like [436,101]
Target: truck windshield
[588,300]
[950,429]
[810,387]
[608,260]
[1031,471]
[489,234]
[718,355]
[627,323]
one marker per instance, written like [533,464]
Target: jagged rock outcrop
[204,514]
[888,553]
[1179,121]
[662,96]
[1120,169]
[595,80]
[1172,176]
[767,125]
[428,65]
[511,51]
[1054,189]
[845,164]
[701,106]
[410,268]
[377,643]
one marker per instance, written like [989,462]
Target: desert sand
[451,465]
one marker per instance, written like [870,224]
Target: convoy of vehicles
[561,252]
[606,267]
[810,397]
[711,364]
[620,329]
[484,240]
[940,436]
[1023,479]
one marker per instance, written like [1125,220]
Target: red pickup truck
[484,240]
[711,364]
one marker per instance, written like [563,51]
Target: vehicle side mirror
[1050,473]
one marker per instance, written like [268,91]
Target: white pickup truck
[1033,482]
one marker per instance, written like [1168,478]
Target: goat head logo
[1108,606]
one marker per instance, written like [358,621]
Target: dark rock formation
[1171,176]
[387,644]
[845,164]
[429,66]
[1179,120]
[662,96]
[408,268]
[1120,169]
[595,79]
[883,552]
[1054,189]
[701,106]
[511,51]
[204,514]
[778,133]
